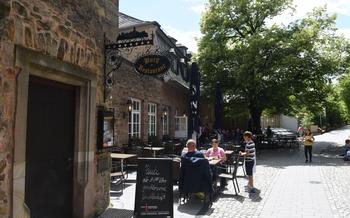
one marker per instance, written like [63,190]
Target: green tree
[268,66]
[345,91]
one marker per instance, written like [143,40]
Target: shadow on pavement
[113,213]
[255,197]
[324,154]
[205,211]
[239,198]
[191,207]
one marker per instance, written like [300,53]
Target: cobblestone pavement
[287,186]
[291,188]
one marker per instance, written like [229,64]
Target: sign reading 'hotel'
[152,64]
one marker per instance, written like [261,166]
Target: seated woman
[215,151]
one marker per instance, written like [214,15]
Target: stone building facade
[61,41]
[167,94]
[148,90]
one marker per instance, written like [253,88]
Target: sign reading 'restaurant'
[152,64]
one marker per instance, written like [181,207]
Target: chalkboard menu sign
[154,188]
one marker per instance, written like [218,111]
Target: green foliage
[345,91]
[280,68]
[307,120]
[335,116]
[331,114]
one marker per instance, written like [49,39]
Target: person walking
[308,143]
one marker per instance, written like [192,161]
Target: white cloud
[333,6]
[198,8]
[196,1]
[345,32]
[304,6]
[186,38]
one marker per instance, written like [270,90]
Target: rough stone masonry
[69,30]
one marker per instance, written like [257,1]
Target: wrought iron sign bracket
[112,55]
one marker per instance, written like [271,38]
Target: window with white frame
[135,119]
[180,126]
[165,121]
[152,119]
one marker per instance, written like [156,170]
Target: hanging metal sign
[132,39]
[152,64]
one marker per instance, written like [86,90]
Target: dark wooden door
[50,149]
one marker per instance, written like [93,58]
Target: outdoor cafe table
[229,152]
[237,147]
[214,163]
[154,149]
[122,157]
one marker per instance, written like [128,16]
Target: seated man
[347,147]
[195,174]
[347,150]
[347,156]
[190,150]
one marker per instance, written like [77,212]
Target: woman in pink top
[215,151]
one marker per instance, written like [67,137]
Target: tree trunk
[255,125]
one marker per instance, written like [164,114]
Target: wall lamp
[129,104]
[129,107]
[165,112]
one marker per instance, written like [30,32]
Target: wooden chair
[231,173]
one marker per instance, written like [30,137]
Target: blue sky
[181,18]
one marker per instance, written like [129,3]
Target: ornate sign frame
[112,57]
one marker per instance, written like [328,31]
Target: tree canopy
[345,91]
[263,65]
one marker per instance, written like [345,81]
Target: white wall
[290,123]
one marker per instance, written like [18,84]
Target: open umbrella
[218,106]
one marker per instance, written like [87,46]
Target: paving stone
[288,187]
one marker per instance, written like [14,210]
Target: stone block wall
[148,89]
[69,30]
[7,101]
